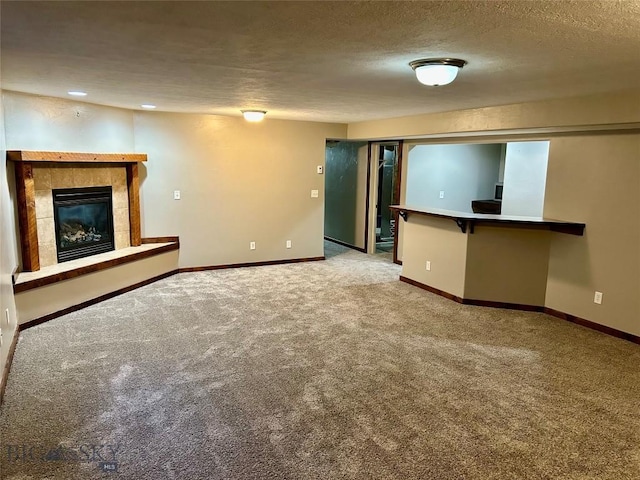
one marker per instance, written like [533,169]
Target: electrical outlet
[428,266]
[252,245]
[176,194]
[597,298]
[7,317]
[288,243]
[314,193]
[320,169]
[441,193]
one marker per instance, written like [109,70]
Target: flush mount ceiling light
[148,106]
[77,93]
[437,71]
[253,115]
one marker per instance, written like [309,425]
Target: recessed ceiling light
[148,106]
[437,71]
[77,93]
[253,115]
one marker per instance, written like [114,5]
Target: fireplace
[38,173]
[83,222]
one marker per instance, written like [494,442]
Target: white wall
[463,172]
[54,124]
[525,177]
[8,252]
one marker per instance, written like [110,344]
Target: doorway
[362,179]
[384,188]
[346,164]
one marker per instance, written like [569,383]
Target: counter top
[466,220]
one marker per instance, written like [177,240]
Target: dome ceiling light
[253,115]
[437,71]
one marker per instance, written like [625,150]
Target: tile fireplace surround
[38,173]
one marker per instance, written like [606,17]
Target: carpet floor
[320,370]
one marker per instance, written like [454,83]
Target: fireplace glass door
[83,222]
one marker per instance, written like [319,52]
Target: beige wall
[8,252]
[361,197]
[592,177]
[240,182]
[440,241]
[242,179]
[499,264]
[507,265]
[42,301]
[596,180]
[551,115]
[406,151]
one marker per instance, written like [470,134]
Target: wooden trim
[396,199]
[14,274]
[367,203]
[249,264]
[7,366]
[40,156]
[93,301]
[531,308]
[133,187]
[592,325]
[504,305]
[470,301]
[161,240]
[397,262]
[27,222]
[96,267]
[431,289]
[345,244]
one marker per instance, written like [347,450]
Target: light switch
[176,194]
[320,169]
[314,193]
[441,193]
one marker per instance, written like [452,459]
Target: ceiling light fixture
[253,115]
[77,93]
[437,71]
[148,106]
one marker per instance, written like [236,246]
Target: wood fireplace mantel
[74,157]
[25,190]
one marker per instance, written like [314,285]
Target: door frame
[366,193]
[372,194]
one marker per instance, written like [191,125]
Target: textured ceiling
[324,61]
